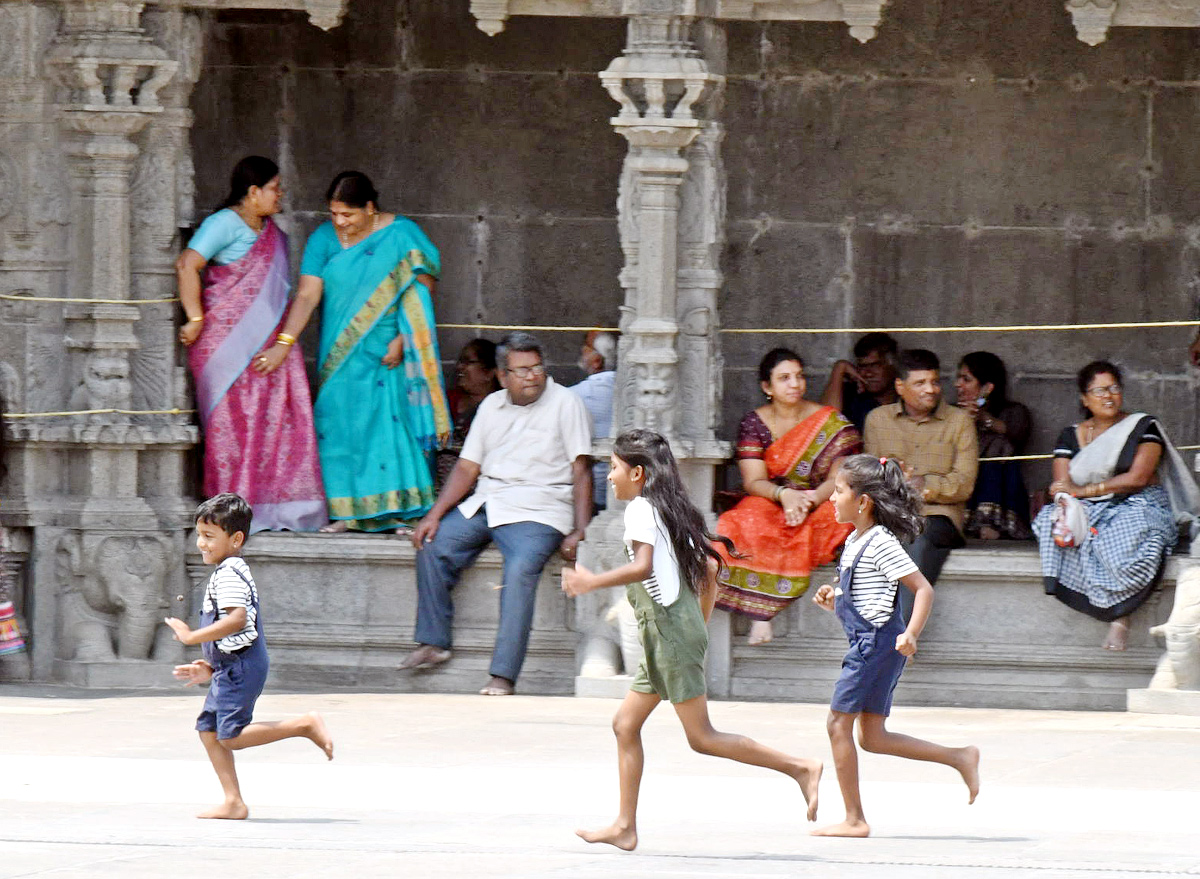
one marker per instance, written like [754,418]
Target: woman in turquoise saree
[380,410]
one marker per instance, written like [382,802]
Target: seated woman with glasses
[1135,490]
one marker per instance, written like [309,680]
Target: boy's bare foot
[854,829]
[808,776]
[969,768]
[236,811]
[761,632]
[320,734]
[624,838]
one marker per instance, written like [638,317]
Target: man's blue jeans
[526,547]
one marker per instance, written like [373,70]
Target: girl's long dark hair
[663,488]
[897,504]
[250,171]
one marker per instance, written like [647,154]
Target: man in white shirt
[598,358]
[527,457]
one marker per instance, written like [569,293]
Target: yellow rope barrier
[528,328]
[541,328]
[1047,457]
[829,330]
[1013,328]
[11,298]
[99,412]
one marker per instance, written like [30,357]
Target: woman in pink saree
[258,429]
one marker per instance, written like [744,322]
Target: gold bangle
[1101,488]
[778,493]
[195,320]
[286,339]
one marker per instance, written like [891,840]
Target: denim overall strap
[213,655]
[851,620]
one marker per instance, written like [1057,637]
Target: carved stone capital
[1092,19]
[660,79]
[102,60]
[491,16]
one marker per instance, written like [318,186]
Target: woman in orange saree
[787,451]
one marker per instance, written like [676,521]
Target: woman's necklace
[345,239]
[1091,430]
[254,221]
[776,421]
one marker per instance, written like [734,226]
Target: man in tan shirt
[936,445]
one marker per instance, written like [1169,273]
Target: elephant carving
[115,598]
[1179,667]
[605,617]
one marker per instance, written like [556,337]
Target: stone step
[339,611]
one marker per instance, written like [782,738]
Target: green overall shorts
[674,640]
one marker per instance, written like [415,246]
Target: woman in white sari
[1135,491]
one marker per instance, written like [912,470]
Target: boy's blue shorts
[870,671]
[237,682]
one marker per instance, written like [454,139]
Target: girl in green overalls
[671,581]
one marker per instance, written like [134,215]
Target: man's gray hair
[517,341]
[605,344]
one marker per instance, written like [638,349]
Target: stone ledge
[995,640]
[339,610]
[1147,701]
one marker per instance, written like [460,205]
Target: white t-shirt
[230,590]
[525,455]
[876,578]
[643,524]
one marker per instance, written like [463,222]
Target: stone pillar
[671,216]
[102,492]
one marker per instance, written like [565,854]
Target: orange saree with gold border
[779,558]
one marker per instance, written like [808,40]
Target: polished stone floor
[96,786]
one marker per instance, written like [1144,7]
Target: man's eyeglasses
[1110,391]
[527,371]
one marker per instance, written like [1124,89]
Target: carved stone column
[103,492]
[671,216]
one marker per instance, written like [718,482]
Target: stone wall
[971,164]
[501,149]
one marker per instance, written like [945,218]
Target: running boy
[873,495]
[235,654]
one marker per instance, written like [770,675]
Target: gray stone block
[994,640]
[339,610]
[1147,701]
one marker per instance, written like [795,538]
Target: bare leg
[874,737]
[627,726]
[845,761]
[222,764]
[309,726]
[693,714]
[761,632]
[1118,634]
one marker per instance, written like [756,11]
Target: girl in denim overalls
[874,495]
[671,582]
